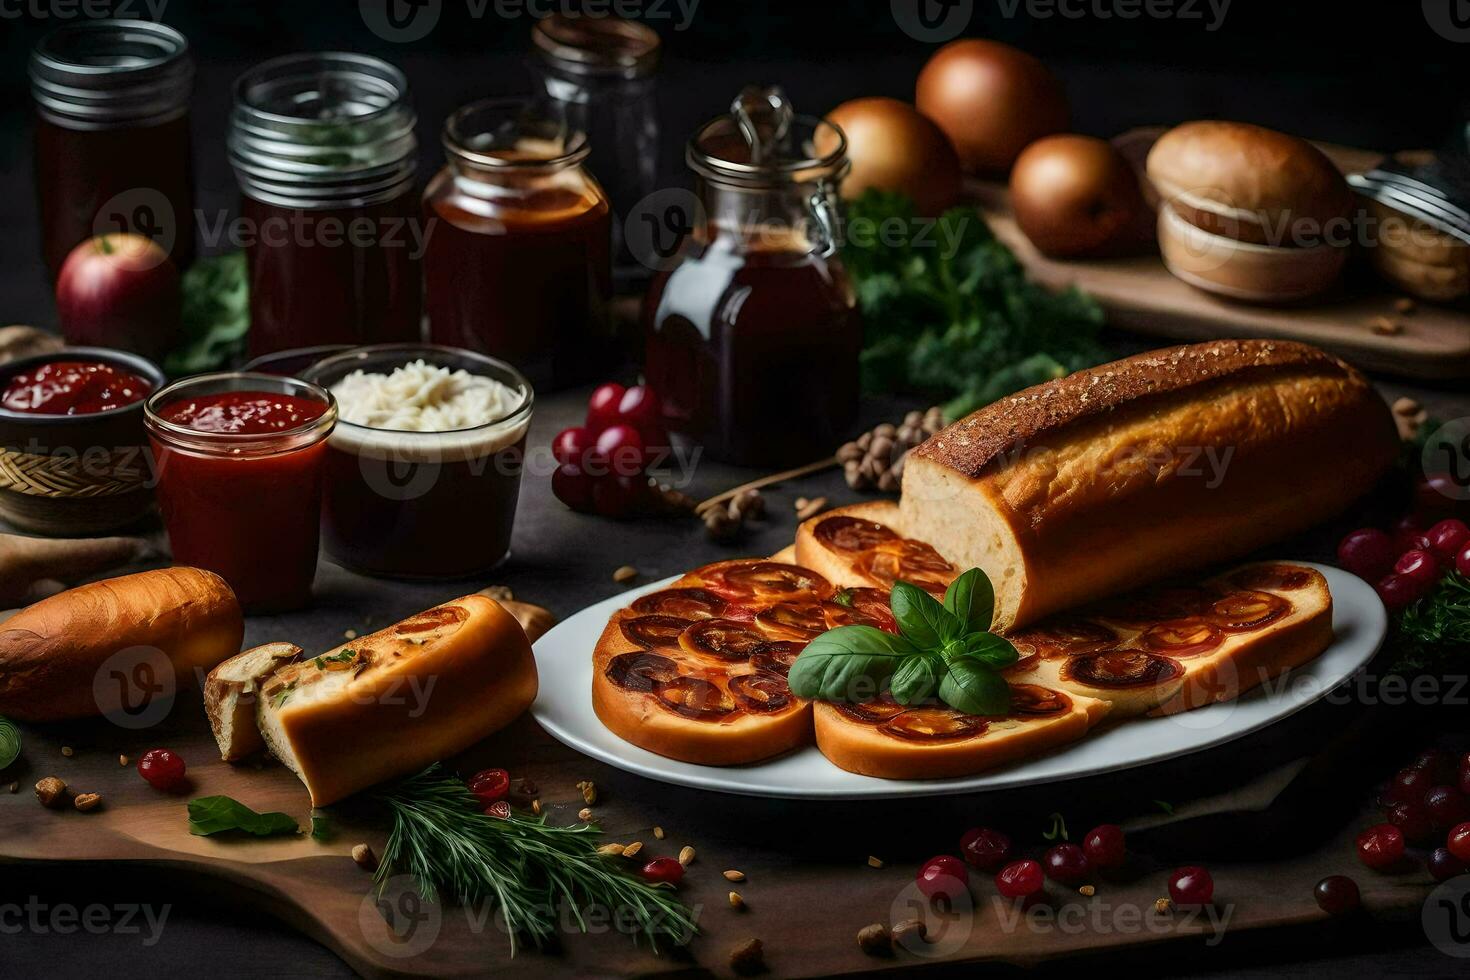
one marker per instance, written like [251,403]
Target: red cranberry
[1020,879]
[1381,846]
[1337,895]
[489,785]
[602,407]
[1409,785]
[1420,566]
[641,407]
[1458,841]
[1398,592]
[1448,538]
[1067,864]
[663,871]
[1439,765]
[618,496]
[1105,847]
[1412,818]
[572,487]
[1446,807]
[1407,532]
[571,445]
[621,446]
[984,848]
[1462,561]
[162,769]
[943,877]
[1443,865]
[1367,553]
[1191,885]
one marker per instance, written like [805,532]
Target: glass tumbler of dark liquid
[324,152]
[518,261]
[112,136]
[752,328]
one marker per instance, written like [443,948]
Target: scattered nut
[1409,416]
[68,751]
[736,902]
[733,875]
[625,573]
[672,501]
[1087,891]
[122,760]
[658,832]
[686,855]
[875,940]
[349,634]
[1407,406]
[748,957]
[365,858]
[1387,327]
[748,504]
[584,814]
[15,787]
[536,807]
[51,792]
[632,849]
[1405,305]
[874,862]
[1163,905]
[911,928]
[616,850]
[807,509]
[589,792]
[87,802]
[721,526]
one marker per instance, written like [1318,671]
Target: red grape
[1367,553]
[984,848]
[1443,865]
[663,870]
[1448,537]
[618,496]
[1398,592]
[602,407]
[943,877]
[1445,807]
[1458,841]
[1409,785]
[1337,895]
[1105,847]
[1381,846]
[1021,879]
[571,445]
[572,487]
[1462,561]
[640,406]
[1191,885]
[1412,819]
[162,769]
[1421,567]
[621,446]
[1407,532]
[1067,864]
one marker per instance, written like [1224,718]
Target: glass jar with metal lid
[324,152]
[752,327]
[112,136]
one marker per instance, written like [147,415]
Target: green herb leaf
[321,826]
[218,814]
[971,599]
[9,742]
[1058,828]
[848,663]
[1433,634]
[215,315]
[921,618]
[1165,805]
[916,679]
[994,651]
[843,598]
[971,686]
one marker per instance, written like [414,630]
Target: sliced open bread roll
[230,693]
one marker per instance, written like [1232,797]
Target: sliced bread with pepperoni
[860,545]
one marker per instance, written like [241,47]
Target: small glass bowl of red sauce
[239,461]
[72,456]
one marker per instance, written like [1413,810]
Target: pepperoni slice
[881,708]
[802,620]
[888,567]
[932,725]
[1182,637]
[761,693]
[641,671]
[431,620]
[773,580]
[777,656]
[1122,668]
[1241,612]
[723,639]
[1164,602]
[852,535]
[1032,699]
[682,603]
[654,632]
[863,607]
[695,698]
[1063,636]
[1274,577]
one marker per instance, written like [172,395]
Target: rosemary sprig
[521,865]
[1434,633]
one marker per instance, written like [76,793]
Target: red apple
[120,291]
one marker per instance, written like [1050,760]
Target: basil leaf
[9,742]
[974,688]
[915,679]
[992,650]
[840,663]
[218,814]
[971,599]
[921,618]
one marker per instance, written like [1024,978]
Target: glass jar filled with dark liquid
[753,332]
[518,264]
[112,136]
[325,155]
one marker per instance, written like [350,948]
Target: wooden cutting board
[1138,293]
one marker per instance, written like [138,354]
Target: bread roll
[1116,476]
[391,703]
[50,652]
[230,694]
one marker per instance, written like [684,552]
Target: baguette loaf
[51,652]
[1122,474]
[390,703]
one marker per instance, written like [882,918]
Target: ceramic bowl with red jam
[72,456]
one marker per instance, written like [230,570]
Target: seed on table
[616,850]
[632,849]
[686,855]
[736,902]
[875,940]
[68,751]
[87,802]
[733,875]
[536,807]
[658,832]
[910,927]
[1087,891]
[584,814]
[625,573]
[364,857]
[349,634]
[1163,905]
[122,760]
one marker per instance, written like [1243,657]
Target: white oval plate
[564,708]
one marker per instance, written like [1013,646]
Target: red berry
[943,877]
[1439,765]
[1412,818]
[1020,879]
[1420,566]
[1105,847]
[572,445]
[1407,531]
[618,496]
[489,785]
[602,407]
[663,871]
[1448,537]
[1067,864]
[1191,885]
[1409,785]
[1367,553]
[572,487]
[500,810]
[1446,807]
[1438,495]
[640,406]
[1443,865]
[984,848]
[1458,841]
[1381,846]
[1398,592]
[162,769]
[1337,895]
[622,447]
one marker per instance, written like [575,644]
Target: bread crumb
[349,634]
[625,573]
[68,751]
[874,862]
